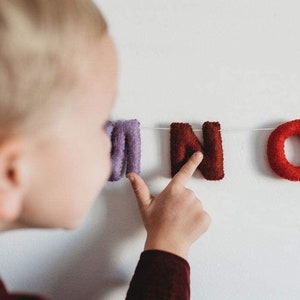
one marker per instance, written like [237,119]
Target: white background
[236,62]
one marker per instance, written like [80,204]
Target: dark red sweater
[159,275]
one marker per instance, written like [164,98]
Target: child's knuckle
[189,194]
[205,219]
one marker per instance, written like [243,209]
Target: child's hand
[175,218]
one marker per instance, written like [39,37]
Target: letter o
[276,154]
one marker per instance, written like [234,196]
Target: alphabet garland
[126,148]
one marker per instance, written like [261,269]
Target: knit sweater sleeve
[160,275]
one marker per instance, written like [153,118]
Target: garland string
[222,130]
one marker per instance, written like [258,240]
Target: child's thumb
[140,189]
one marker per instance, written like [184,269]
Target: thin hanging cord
[222,130]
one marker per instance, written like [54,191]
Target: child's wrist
[167,246]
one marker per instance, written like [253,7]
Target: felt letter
[276,154]
[126,146]
[184,143]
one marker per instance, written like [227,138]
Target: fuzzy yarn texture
[126,147]
[184,143]
[276,154]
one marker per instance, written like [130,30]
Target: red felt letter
[275,150]
[184,143]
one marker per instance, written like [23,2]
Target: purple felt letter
[126,145]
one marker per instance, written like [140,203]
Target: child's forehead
[101,69]
[98,76]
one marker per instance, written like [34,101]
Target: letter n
[126,147]
[184,143]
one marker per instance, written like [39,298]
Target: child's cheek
[105,148]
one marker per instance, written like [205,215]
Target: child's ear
[12,178]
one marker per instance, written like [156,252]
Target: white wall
[236,62]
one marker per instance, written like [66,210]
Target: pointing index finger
[188,169]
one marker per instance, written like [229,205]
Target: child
[58,81]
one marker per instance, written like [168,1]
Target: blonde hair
[38,42]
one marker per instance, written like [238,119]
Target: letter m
[126,147]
